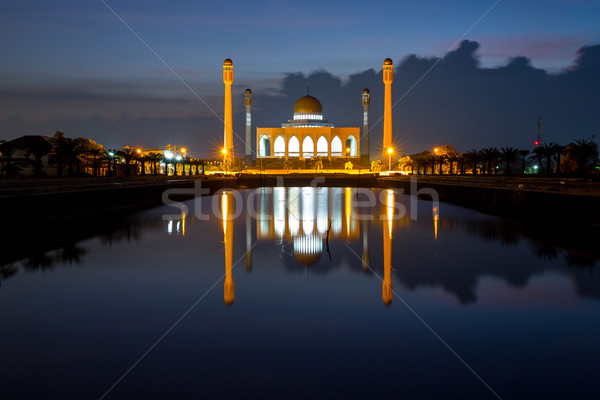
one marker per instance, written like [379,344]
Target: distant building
[29,155]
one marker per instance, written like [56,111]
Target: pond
[302,292]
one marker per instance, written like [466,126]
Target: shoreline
[46,216]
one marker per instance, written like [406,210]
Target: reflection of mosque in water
[306,217]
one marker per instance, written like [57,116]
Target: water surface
[303,292]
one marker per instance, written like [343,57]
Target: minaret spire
[228,128]
[307,87]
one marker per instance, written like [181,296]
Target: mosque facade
[308,135]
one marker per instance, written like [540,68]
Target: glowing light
[168,154]
[390,150]
[178,158]
[111,154]
[435,150]
[183,150]
[139,151]
[224,151]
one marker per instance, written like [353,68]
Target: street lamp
[390,151]
[348,153]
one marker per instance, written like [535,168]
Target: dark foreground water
[302,293]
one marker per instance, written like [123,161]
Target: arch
[264,149]
[322,147]
[351,144]
[279,147]
[308,147]
[294,147]
[336,147]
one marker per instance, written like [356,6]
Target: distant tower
[228,122]
[538,141]
[388,78]
[366,154]
[248,103]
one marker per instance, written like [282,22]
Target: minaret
[366,152]
[228,122]
[387,291]
[388,78]
[226,207]
[248,103]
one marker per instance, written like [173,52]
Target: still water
[302,293]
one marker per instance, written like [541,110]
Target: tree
[98,153]
[509,155]
[68,151]
[547,151]
[127,153]
[523,154]
[490,155]
[154,159]
[473,156]
[582,152]
[452,157]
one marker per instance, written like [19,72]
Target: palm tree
[523,154]
[583,152]
[490,155]
[154,159]
[557,157]
[547,151]
[452,157]
[509,155]
[473,156]
[127,153]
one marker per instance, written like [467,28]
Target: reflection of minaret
[228,121]
[436,217]
[387,249]
[365,152]
[226,207]
[365,254]
[388,78]
[248,103]
[248,242]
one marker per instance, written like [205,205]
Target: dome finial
[307,87]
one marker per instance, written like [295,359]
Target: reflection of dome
[308,105]
[387,61]
[228,61]
[248,91]
[308,249]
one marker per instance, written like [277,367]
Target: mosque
[308,135]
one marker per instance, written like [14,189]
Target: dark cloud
[458,102]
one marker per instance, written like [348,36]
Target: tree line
[579,157]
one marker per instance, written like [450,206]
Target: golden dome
[308,105]
[228,61]
[365,90]
[248,91]
[387,61]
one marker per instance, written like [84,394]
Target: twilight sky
[74,66]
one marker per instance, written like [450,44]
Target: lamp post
[347,153]
[390,151]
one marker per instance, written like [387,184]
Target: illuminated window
[322,147]
[279,147]
[336,147]
[308,147]
[293,147]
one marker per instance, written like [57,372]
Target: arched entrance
[293,147]
[351,144]
[322,147]
[308,147]
[279,147]
[336,147]
[265,147]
